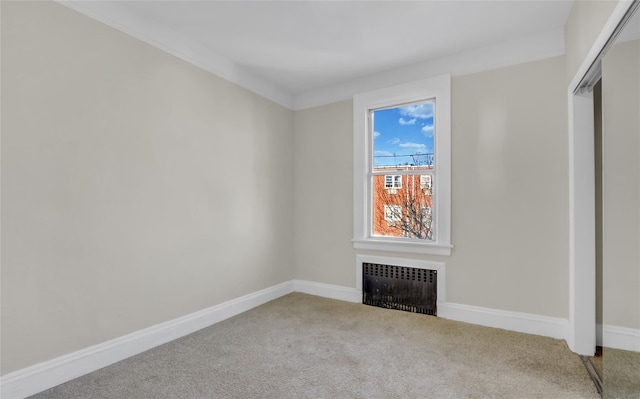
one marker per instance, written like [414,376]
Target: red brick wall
[411,197]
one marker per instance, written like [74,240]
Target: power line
[419,159]
[408,155]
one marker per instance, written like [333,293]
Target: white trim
[512,52]
[610,26]
[582,258]
[617,337]
[409,247]
[581,333]
[42,376]
[328,291]
[528,323]
[440,267]
[108,12]
[439,88]
[547,326]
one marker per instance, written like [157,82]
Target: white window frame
[438,88]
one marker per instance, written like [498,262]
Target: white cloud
[394,141]
[427,130]
[420,111]
[383,153]
[414,146]
[403,121]
[376,134]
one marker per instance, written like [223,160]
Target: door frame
[581,336]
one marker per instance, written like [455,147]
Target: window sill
[391,245]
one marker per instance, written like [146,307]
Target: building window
[425,182]
[393,181]
[405,130]
[392,214]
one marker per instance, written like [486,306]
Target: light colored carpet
[301,346]
[621,374]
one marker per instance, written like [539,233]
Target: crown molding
[512,52]
[517,51]
[110,13]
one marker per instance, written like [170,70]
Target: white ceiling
[299,53]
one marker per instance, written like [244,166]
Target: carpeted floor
[621,374]
[301,346]
[596,361]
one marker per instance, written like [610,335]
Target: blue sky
[402,131]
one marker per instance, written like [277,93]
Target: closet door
[621,214]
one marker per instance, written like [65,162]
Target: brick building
[402,202]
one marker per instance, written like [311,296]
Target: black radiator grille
[398,287]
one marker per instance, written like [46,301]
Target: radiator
[398,287]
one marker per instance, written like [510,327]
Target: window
[402,168]
[425,182]
[392,214]
[393,181]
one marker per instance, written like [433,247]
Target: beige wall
[583,26]
[135,188]
[510,220]
[323,190]
[510,197]
[621,188]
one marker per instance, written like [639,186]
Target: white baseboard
[617,337]
[42,376]
[553,327]
[328,291]
[515,321]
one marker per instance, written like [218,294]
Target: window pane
[405,211]
[403,135]
[403,140]
[399,131]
